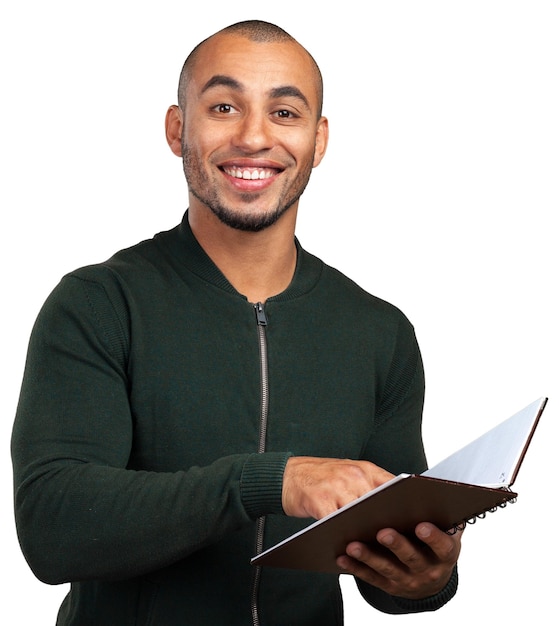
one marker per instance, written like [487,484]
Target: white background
[439,193]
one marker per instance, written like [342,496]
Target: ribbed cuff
[262,483]
[433,602]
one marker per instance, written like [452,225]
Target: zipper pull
[261,319]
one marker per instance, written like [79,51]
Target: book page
[493,459]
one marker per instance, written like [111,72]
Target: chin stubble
[250,221]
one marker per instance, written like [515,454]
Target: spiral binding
[473,520]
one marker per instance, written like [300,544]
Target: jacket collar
[185,247]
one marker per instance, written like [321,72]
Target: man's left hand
[409,569]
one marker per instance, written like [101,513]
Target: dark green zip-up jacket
[157,412]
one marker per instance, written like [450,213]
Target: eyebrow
[220,80]
[289,91]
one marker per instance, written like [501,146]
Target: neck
[259,265]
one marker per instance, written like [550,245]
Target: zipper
[261,323]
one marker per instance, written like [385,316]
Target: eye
[223,108]
[284,114]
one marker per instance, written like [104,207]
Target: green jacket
[157,412]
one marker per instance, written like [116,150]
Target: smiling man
[249,130]
[198,397]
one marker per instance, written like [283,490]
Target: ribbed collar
[185,248]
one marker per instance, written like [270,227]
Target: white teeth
[249,173]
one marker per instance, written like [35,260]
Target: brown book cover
[402,503]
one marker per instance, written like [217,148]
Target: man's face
[251,133]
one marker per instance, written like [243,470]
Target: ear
[173,129]
[321,141]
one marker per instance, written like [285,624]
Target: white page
[492,459]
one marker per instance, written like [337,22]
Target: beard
[253,217]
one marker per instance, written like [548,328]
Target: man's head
[255,30]
[248,126]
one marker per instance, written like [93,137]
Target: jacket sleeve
[397,445]
[80,512]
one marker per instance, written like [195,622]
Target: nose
[253,132]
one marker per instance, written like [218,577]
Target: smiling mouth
[250,173]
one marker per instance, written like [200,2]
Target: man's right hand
[315,487]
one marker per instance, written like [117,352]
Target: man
[199,396]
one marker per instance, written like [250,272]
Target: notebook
[462,488]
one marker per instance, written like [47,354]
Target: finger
[411,554]
[364,564]
[446,547]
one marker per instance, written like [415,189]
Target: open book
[465,486]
